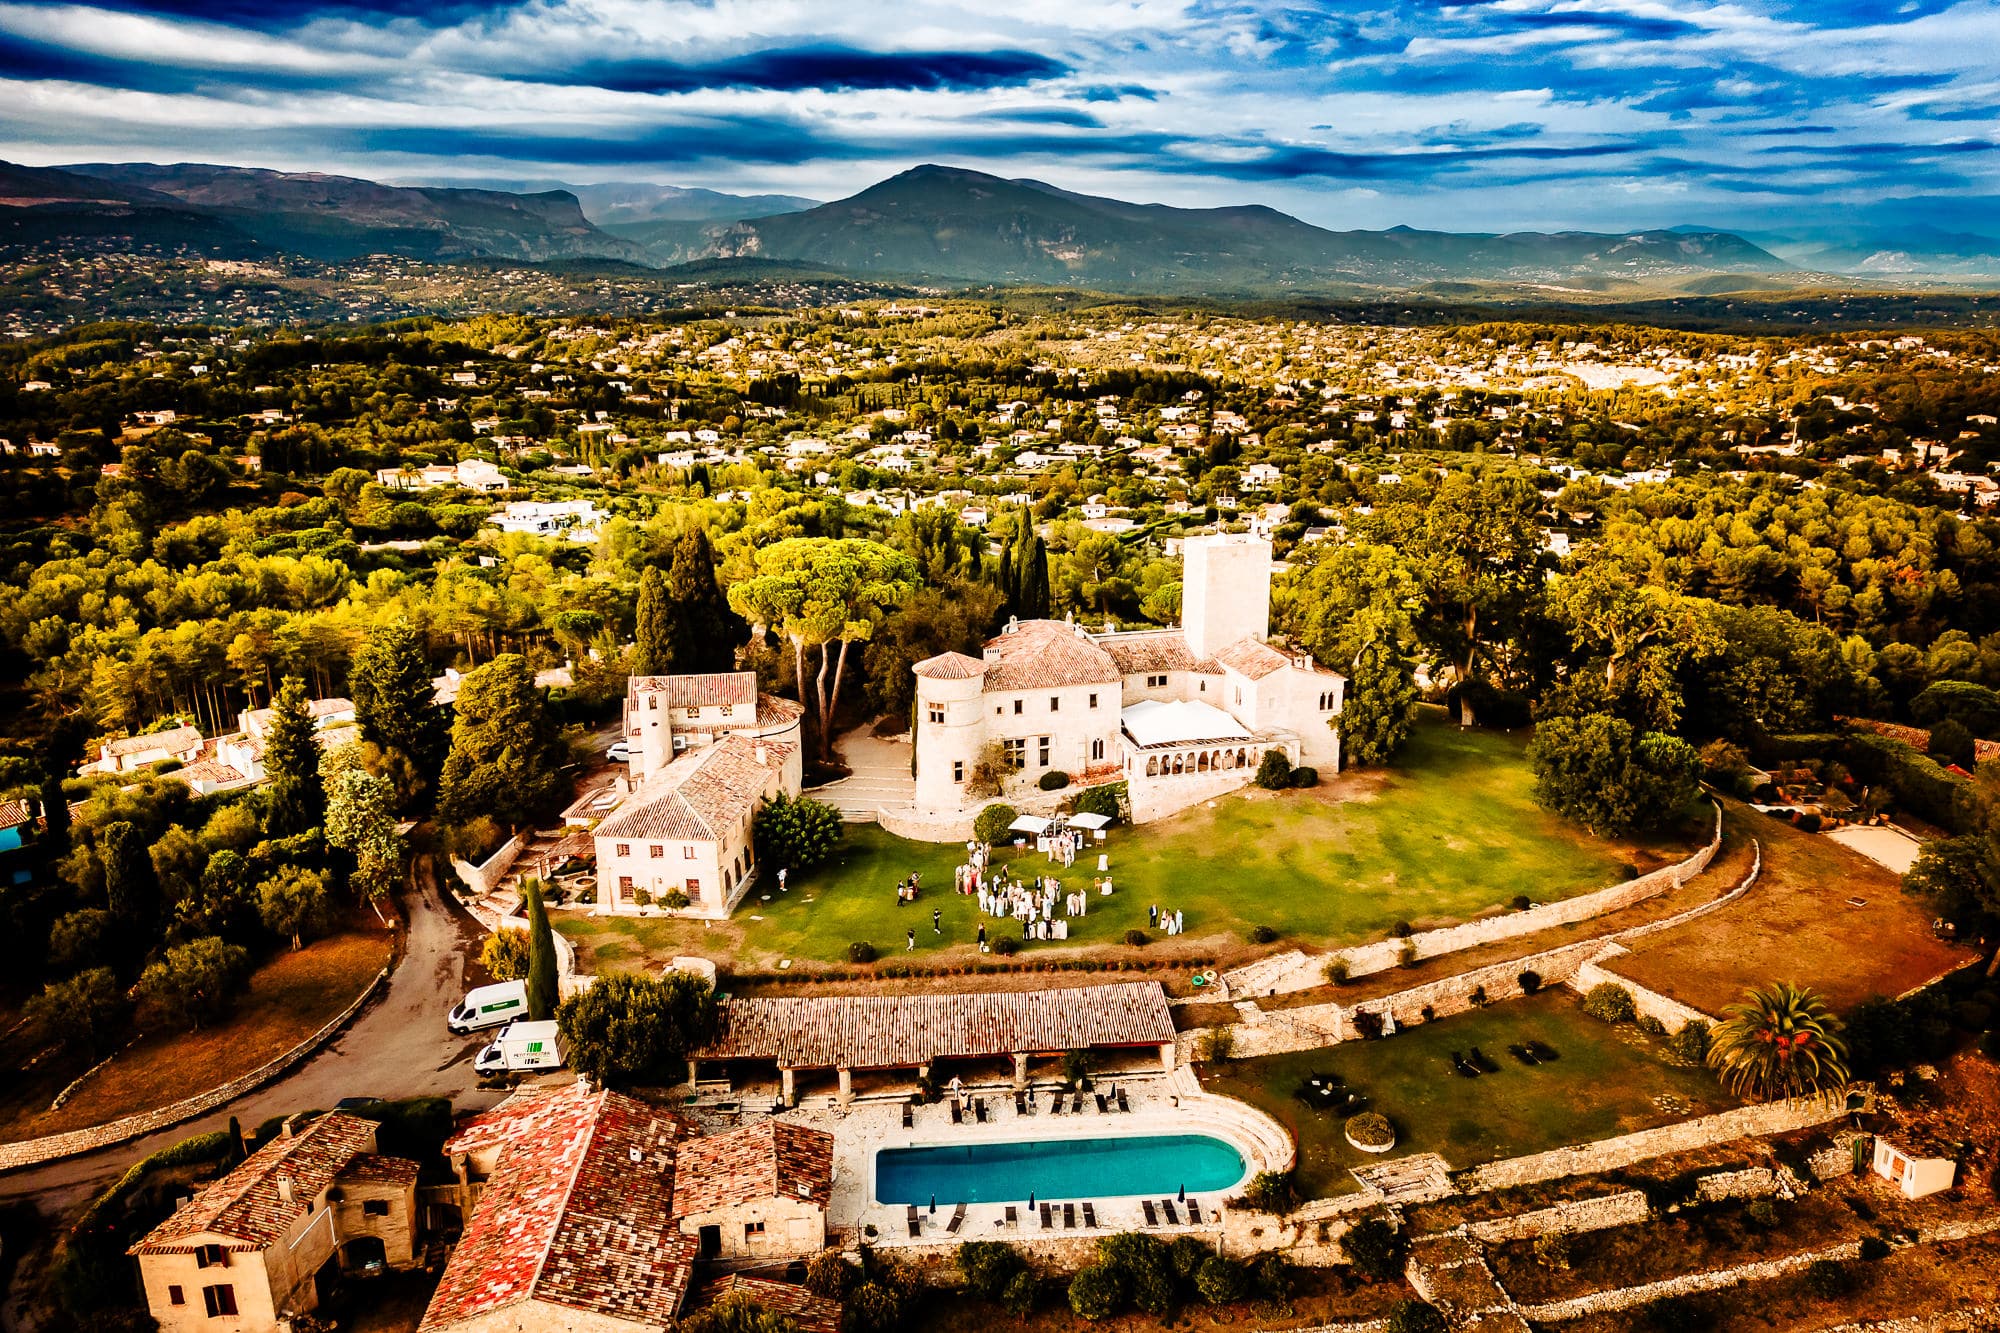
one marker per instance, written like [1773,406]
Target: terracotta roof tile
[370,1168]
[890,1031]
[1149,651]
[174,740]
[1252,658]
[1044,654]
[813,1314]
[245,1206]
[950,666]
[706,691]
[702,794]
[759,1161]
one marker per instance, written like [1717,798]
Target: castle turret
[1225,591]
[950,726]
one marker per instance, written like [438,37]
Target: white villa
[1182,715]
[705,753]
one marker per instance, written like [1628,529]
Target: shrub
[1371,1129]
[1185,1255]
[1374,1248]
[1135,937]
[1690,1044]
[1873,1248]
[1402,930]
[1530,981]
[829,1274]
[861,951]
[991,824]
[1478,997]
[1415,1317]
[988,1266]
[1053,780]
[674,900]
[1262,935]
[1552,1250]
[1336,971]
[1144,1268]
[1103,799]
[1006,946]
[505,954]
[1951,743]
[1019,1296]
[1522,902]
[1305,776]
[1368,1023]
[1652,1026]
[1273,1278]
[1274,771]
[1407,955]
[1829,1279]
[796,831]
[1217,1045]
[1221,1280]
[1610,1002]
[1809,823]
[1762,1213]
[1271,1192]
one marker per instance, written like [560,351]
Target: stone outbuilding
[759,1192]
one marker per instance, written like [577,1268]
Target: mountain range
[937,224]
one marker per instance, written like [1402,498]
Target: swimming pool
[1157,1165]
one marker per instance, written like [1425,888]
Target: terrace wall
[1599,1214]
[481,878]
[1672,1014]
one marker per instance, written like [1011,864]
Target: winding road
[397,1047]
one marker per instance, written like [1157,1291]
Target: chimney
[285,1190]
[761,754]
[292,1124]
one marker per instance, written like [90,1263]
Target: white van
[522,1046]
[489,1007]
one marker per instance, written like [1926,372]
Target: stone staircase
[878,776]
[1267,975]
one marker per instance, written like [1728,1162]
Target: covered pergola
[846,1033]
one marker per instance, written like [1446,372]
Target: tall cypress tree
[291,761]
[130,888]
[703,632]
[653,648]
[1033,572]
[542,992]
[395,704]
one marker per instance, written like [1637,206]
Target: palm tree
[1779,1041]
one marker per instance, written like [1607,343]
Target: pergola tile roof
[899,1031]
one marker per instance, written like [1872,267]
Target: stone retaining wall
[481,878]
[1611,1154]
[1756,1182]
[1385,954]
[32,1152]
[1672,1014]
[1599,1214]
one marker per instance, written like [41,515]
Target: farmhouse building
[258,1245]
[1182,714]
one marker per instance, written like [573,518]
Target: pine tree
[395,706]
[703,632]
[542,994]
[291,761]
[507,754]
[653,648]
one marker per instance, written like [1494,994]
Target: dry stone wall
[1600,1214]
[1672,1014]
[32,1152]
[1757,1182]
[481,878]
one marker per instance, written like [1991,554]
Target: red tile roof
[897,1031]
[702,795]
[369,1169]
[1252,658]
[1045,654]
[577,1213]
[813,1314]
[1149,651]
[759,1161]
[950,666]
[720,687]
[245,1206]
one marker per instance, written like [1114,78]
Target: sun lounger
[979,1110]
[910,1220]
[1523,1054]
[1152,1218]
[957,1221]
[1069,1217]
[1089,1216]
[1013,1216]
[1167,1207]
[1194,1212]
[1101,1107]
[909,1115]
[1055,1106]
[1048,1220]
[1020,1104]
[1076,1104]
[957,1116]
[1123,1105]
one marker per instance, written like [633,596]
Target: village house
[262,1243]
[126,753]
[1181,714]
[758,1192]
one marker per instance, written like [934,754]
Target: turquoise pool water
[1158,1166]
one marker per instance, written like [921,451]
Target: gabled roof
[759,1161]
[813,1314]
[950,666]
[173,740]
[13,814]
[1252,658]
[701,795]
[1149,651]
[704,691]
[1046,654]
[577,1214]
[245,1206]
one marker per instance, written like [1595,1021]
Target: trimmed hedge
[1918,781]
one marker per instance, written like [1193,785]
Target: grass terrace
[1451,833]
[1606,1081]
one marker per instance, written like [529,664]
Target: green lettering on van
[498,1005]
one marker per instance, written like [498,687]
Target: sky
[1501,114]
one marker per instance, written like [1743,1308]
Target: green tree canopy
[295,800]
[507,755]
[396,709]
[628,1029]
[1604,774]
[1779,1041]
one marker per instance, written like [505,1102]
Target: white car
[619,753]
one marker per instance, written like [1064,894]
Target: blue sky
[1479,116]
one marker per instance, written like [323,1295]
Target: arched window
[1201,762]
[1152,766]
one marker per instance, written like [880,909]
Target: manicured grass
[1605,1083]
[289,998]
[1452,832]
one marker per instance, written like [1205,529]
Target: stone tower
[1225,591]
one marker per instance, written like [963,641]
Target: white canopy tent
[1089,821]
[1032,825]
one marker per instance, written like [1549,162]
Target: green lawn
[1451,832]
[1605,1083]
